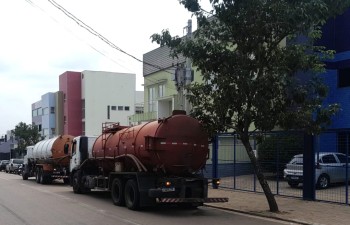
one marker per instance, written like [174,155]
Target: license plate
[294,178]
[168,189]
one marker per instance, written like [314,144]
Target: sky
[38,42]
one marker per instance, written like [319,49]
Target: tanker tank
[175,145]
[49,160]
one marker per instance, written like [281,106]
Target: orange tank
[175,145]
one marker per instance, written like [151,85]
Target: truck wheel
[132,195]
[37,175]
[42,177]
[76,183]
[25,176]
[117,192]
[66,180]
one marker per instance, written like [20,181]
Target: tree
[26,135]
[259,65]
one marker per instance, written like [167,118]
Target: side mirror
[66,149]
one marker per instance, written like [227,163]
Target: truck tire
[42,177]
[132,195]
[117,192]
[25,176]
[78,186]
[76,183]
[66,180]
[37,175]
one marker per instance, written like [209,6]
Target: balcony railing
[143,117]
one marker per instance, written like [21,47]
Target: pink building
[70,85]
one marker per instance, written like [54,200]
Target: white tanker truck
[48,160]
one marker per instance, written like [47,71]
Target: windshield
[18,161]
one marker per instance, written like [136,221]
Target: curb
[260,215]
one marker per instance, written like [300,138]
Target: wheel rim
[323,182]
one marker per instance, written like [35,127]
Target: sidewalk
[291,209]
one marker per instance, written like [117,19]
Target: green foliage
[250,75]
[257,71]
[26,135]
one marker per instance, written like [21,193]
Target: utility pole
[183,76]
[188,71]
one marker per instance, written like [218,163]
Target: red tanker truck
[48,160]
[156,162]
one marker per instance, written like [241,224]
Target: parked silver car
[3,164]
[331,167]
[13,165]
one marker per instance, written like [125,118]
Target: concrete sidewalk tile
[291,209]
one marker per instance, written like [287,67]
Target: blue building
[336,33]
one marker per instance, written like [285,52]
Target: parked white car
[331,167]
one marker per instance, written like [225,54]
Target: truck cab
[81,149]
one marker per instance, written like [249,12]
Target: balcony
[143,117]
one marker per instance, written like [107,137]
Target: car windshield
[297,160]
[18,161]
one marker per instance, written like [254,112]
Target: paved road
[29,203]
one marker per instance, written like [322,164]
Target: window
[344,77]
[52,110]
[342,158]
[120,108]
[329,159]
[39,111]
[126,108]
[152,97]
[108,112]
[161,90]
[113,107]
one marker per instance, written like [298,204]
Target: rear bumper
[193,200]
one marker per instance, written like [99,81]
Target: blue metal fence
[274,151]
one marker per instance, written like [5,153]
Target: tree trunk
[264,185]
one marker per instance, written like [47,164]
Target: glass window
[120,108]
[52,110]
[161,90]
[152,97]
[328,159]
[113,107]
[342,158]
[40,111]
[126,108]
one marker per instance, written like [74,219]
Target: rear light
[215,182]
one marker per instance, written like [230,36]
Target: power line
[94,32]
[70,31]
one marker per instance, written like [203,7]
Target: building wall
[70,86]
[107,97]
[336,34]
[43,115]
[161,95]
